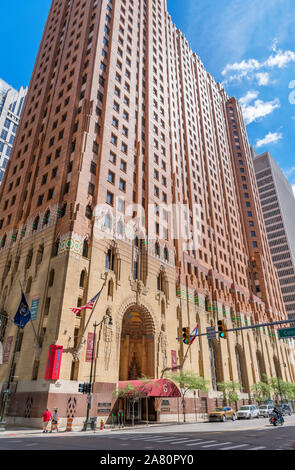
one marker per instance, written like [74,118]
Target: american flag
[89,305]
[193,335]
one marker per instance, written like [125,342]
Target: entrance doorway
[137,357]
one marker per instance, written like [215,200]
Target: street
[240,435]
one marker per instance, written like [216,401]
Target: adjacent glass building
[11,105]
[278,207]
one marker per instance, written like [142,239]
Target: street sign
[286,333]
[211,333]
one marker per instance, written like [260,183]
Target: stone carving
[108,338]
[163,347]
[139,291]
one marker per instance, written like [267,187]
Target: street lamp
[87,424]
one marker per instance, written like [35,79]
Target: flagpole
[7,391]
[36,337]
[79,346]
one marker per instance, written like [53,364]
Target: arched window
[166,254]
[107,221]
[88,212]
[51,278]
[36,223]
[40,254]
[3,241]
[83,278]
[162,282]
[157,249]
[110,259]
[55,248]
[46,218]
[29,259]
[120,229]
[85,249]
[29,285]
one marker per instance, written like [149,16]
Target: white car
[248,412]
[265,410]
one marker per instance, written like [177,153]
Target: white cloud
[258,109]
[263,78]
[246,68]
[270,138]
[293,187]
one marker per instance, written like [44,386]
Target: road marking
[219,444]
[257,448]
[178,441]
[196,441]
[235,447]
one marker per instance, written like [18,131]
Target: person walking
[46,419]
[54,421]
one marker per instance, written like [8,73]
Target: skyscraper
[122,128]
[11,104]
[278,206]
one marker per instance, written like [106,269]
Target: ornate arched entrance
[137,355]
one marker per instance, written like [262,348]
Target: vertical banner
[53,362]
[35,306]
[173,360]
[90,345]
[7,349]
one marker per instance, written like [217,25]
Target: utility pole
[6,392]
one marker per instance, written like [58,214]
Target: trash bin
[93,422]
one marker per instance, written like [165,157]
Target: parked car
[222,414]
[265,410]
[248,412]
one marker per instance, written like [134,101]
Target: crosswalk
[187,442]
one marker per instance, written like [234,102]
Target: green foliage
[229,390]
[188,381]
[261,391]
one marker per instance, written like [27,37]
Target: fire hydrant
[102,425]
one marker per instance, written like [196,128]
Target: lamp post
[87,423]
[7,392]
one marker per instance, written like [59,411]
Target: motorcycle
[276,419]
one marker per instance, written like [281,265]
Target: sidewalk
[13,431]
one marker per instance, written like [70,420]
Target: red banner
[7,349]
[173,360]
[53,362]
[90,346]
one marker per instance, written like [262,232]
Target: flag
[194,334]
[23,314]
[89,305]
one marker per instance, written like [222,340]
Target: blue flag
[23,314]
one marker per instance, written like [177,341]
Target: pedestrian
[46,419]
[54,421]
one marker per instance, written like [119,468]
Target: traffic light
[222,329]
[81,388]
[186,335]
[85,388]
[88,388]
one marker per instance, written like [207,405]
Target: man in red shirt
[46,419]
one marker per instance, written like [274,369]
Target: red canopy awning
[153,388]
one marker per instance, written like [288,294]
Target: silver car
[265,410]
[248,412]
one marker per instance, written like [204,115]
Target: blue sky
[248,45]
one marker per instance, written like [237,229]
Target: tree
[135,393]
[187,381]
[261,391]
[229,390]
